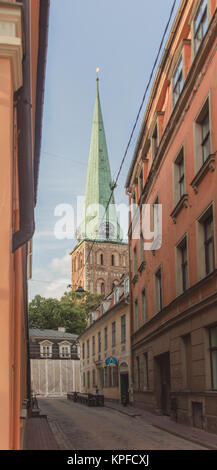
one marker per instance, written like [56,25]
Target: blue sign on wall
[111,360]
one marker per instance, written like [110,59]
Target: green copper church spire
[98,187]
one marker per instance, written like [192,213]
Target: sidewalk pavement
[38,435]
[165,423]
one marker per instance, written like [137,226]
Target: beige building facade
[105,347]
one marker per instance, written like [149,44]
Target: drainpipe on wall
[25,143]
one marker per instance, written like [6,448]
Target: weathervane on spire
[97,71]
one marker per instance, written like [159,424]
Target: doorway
[163,383]
[124,383]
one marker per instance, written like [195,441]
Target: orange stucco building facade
[23,38]
[174,284]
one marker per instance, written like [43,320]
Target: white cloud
[51,281]
[62,265]
[43,234]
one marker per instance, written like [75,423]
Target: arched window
[113,260]
[100,286]
[99,257]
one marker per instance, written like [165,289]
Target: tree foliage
[69,312]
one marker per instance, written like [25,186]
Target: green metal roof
[98,186]
[44,333]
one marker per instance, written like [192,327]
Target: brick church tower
[98,266]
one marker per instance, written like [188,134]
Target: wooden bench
[88,399]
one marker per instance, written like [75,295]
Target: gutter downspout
[25,144]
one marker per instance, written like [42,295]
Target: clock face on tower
[107,230]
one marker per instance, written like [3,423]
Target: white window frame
[65,350]
[48,353]
[177,82]
[206,12]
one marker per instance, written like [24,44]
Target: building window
[154,142]
[46,349]
[65,350]
[83,379]
[99,341]
[106,377]
[156,224]
[134,261]
[145,371]
[88,379]
[182,260]
[123,328]
[213,352]
[209,244]
[179,176]
[203,136]
[178,81]
[83,350]
[113,260]
[141,247]
[88,348]
[105,338]
[94,377]
[200,24]
[136,315]
[93,345]
[206,248]
[137,373]
[99,258]
[113,376]
[102,288]
[158,288]
[113,334]
[144,307]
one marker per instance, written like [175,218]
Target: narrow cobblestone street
[78,427]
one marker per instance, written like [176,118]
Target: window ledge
[142,266]
[208,165]
[135,279]
[183,202]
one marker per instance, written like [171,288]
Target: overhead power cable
[134,127]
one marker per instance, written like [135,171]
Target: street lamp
[79,289]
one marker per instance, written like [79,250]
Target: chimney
[62,329]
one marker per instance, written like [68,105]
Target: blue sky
[121,37]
